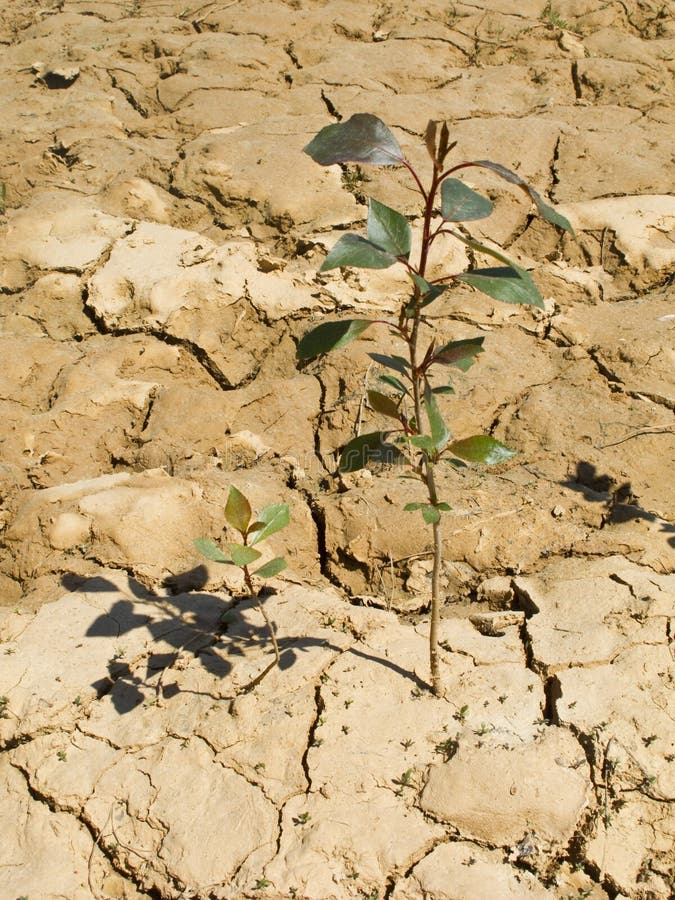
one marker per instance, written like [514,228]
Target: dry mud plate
[160,237]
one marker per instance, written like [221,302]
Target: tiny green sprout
[61,755]
[404,780]
[302,819]
[407,743]
[77,701]
[261,884]
[484,729]
[259,767]
[345,729]
[461,714]
[348,703]
[552,18]
[317,742]
[649,740]
[252,529]
[410,395]
[119,653]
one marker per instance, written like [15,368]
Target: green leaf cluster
[253,530]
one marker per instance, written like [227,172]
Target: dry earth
[161,233]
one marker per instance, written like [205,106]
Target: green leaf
[460,354]
[361,139]
[392,381]
[271,568]
[330,336]
[211,551]
[461,204]
[398,363]
[383,404]
[242,556]
[444,389]
[428,293]
[274,518]
[439,430]
[544,209]
[423,442]
[369,448]
[352,250]
[510,289]
[430,514]
[506,284]
[481,448]
[389,229]
[238,510]
[444,507]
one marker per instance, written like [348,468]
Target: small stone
[558,512]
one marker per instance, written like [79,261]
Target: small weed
[61,755]
[461,714]
[503,698]
[404,780]
[119,653]
[649,740]
[407,744]
[345,729]
[261,884]
[484,729]
[448,748]
[317,742]
[77,701]
[348,703]
[302,819]
[259,767]
[552,18]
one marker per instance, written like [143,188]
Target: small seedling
[552,18]
[61,755]
[404,780]
[261,884]
[461,714]
[253,530]
[407,743]
[419,437]
[302,819]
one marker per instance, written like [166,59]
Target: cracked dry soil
[161,235]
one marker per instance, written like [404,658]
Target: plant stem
[428,467]
[270,630]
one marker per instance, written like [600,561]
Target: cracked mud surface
[161,235]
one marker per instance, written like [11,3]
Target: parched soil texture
[161,233]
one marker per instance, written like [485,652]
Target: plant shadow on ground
[196,624]
[620,503]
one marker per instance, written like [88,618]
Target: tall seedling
[419,436]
